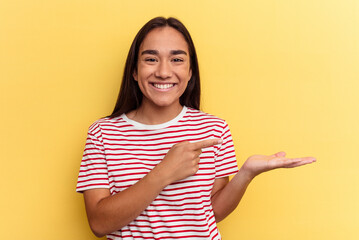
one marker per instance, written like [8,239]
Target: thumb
[279,154]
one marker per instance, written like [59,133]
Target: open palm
[258,164]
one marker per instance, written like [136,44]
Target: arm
[226,195]
[107,213]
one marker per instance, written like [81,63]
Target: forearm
[109,213]
[116,211]
[227,199]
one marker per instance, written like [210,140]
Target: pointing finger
[206,143]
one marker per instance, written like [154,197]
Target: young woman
[158,168]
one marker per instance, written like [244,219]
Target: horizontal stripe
[118,154]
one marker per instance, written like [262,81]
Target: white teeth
[163,86]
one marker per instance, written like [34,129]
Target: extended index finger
[206,143]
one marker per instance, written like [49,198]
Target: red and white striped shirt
[119,152]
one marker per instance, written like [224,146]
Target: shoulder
[107,123]
[197,114]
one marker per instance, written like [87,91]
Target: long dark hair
[130,95]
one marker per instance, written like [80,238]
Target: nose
[164,70]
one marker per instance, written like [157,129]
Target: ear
[190,75]
[134,75]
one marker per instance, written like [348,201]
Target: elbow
[219,217]
[97,229]
[221,213]
[217,214]
[101,227]
[98,234]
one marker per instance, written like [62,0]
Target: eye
[150,60]
[177,60]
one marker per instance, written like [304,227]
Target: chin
[165,104]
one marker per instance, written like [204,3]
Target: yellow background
[284,74]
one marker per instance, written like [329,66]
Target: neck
[151,114]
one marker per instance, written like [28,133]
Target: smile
[163,86]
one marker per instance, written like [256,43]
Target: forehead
[164,39]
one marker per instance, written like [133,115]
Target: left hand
[258,164]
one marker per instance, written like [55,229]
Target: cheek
[144,73]
[185,74]
[142,86]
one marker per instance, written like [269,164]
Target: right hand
[182,159]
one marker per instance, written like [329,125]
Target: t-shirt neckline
[155,126]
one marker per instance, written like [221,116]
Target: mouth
[163,86]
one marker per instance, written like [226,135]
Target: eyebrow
[155,52]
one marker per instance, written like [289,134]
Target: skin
[164,59]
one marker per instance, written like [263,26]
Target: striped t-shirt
[119,152]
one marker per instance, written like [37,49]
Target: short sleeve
[93,170]
[225,157]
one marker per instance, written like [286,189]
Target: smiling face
[163,68]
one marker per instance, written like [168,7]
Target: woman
[158,168]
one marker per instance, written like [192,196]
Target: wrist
[161,177]
[246,174]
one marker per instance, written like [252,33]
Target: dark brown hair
[130,95]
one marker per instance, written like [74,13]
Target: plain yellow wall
[284,74]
